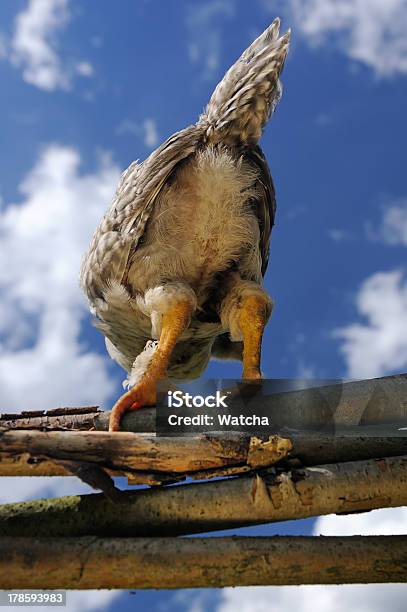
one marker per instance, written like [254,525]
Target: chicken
[174,271]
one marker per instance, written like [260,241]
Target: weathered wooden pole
[367,403]
[172,563]
[147,459]
[123,451]
[222,504]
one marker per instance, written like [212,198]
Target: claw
[144,393]
[128,403]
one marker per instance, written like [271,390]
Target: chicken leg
[144,393]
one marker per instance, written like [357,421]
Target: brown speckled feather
[201,206]
[265,203]
[124,223]
[249,92]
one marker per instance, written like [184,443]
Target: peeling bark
[129,452]
[146,459]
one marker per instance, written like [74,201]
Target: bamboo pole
[216,505]
[172,563]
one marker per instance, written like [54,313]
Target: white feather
[140,364]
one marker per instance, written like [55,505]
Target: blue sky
[87,87]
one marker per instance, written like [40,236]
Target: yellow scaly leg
[144,393]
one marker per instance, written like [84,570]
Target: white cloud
[21,488]
[394,224]
[145,131]
[33,43]
[85,69]
[315,598]
[87,601]
[338,235]
[369,31]
[378,346]
[387,521]
[43,361]
[127,126]
[205,33]
[33,46]
[150,133]
[320,598]
[305,372]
